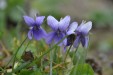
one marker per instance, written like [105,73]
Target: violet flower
[59,29]
[82,34]
[36,30]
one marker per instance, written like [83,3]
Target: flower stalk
[51,60]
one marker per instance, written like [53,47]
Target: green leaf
[25,72]
[30,72]
[82,69]
[8,73]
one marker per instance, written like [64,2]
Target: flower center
[58,32]
[36,27]
[79,34]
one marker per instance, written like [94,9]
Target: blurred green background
[100,12]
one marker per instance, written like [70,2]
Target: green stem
[27,45]
[17,52]
[85,55]
[75,52]
[67,53]
[77,64]
[76,49]
[51,59]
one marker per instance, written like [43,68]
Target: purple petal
[80,26]
[64,23]
[29,21]
[59,37]
[85,41]
[39,20]
[72,28]
[39,34]
[85,28]
[76,42]
[44,34]
[65,41]
[50,37]
[52,22]
[30,34]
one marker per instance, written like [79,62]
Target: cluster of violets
[60,29]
